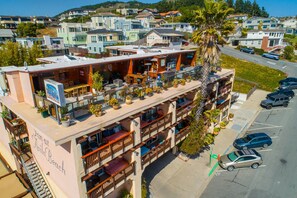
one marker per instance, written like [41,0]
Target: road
[276,178]
[285,66]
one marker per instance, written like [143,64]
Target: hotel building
[100,156]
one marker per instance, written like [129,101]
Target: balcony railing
[225,89]
[107,150]
[156,125]
[15,129]
[182,133]
[223,105]
[183,111]
[156,152]
[111,182]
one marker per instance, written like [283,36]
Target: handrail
[107,145]
[184,106]
[111,176]
[154,121]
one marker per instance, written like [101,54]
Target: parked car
[241,158]
[286,92]
[247,50]
[289,79]
[254,140]
[288,85]
[271,56]
[275,100]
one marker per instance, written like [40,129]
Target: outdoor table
[69,90]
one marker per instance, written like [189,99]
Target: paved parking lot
[276,178]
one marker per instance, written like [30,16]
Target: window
[94,49]
[93,39]
[110,37]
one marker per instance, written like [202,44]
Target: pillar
[135,126]
[136,182]
[178,63]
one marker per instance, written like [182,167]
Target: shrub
[126,194]
[41,93]
[96,109]
[208,139]
[289,52]
[217,129]
[113,102]
[259,51]
[231,115]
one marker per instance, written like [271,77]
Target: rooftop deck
[59,134]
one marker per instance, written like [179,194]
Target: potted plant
[231,115]
[157,89]
[149,91]
[223,125]
[97,82]
[128,99]
[165,86]
[182,82]
[216,130]
[189,78]
[96,109]
[175,83]
[140,94]
[15,121]
[43,111]
[123,92]
[114,103]
[5,114]
[41,94]
[65,120]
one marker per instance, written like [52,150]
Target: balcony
[150,128]
[16,126]
[223,105]
[150,154]
[225,89]
[181,134]
[117,172]
[184,107]
[115,143]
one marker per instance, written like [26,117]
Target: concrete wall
[16,91]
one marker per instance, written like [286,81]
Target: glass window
[232,156]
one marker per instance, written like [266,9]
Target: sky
[54,7]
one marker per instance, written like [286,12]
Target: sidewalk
[172,177]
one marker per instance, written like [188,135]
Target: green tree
[239,6]
[289,52]
[212,115]
[26,29]
[213,25]
[230,3]
[256,11]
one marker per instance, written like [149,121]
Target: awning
[154,59]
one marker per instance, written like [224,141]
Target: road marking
[272,63]
[218,172]
[284,67]
[264,150]
[273,137]
[265,128]
[265,124]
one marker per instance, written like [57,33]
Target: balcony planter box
[65,123]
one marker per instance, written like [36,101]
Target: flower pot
[115,107]
[65,123]
[175,85]
[141,97]
[128,102]
[150,94]
[44,114]
[98,114]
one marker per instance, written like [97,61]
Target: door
[245,161]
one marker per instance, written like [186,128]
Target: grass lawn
[266,78]
[242,86]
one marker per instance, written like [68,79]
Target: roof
[107,14]
[169,13]
[166,32]
[103,31]
[271,30]
[143,15]
[6,33]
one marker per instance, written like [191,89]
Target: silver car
[241,158]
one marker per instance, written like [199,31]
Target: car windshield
[246,139]
[232,156]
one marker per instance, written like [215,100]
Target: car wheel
[269,107]
[255,165]
[285,104]
[265,145]
[230,168]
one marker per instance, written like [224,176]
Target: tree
[239,6]
[213,25]
[289,52]
[230,3]
[264,13]
[256,9]
[26,29]
[212,115]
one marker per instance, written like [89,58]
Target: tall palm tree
[212,26]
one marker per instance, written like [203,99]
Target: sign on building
[55,92]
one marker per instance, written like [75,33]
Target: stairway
[37,180]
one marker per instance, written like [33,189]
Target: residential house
[74,13]
[74,34]
[290,26]
[105,20]
[174,13]
[100,156]
[6,35]
[238,17]
[98,39]
[265,39]
[149,10]
[182,27]
[11,22]
[128,24]
[127,11]
[267,23]
[163,37]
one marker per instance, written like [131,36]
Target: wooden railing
[156,125]
[182,133]
[107,150]
[184,110]
[15,151]
[225,89]
[158,151]
[223,105]
[111,182]
[17,129]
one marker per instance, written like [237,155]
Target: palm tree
[212,26]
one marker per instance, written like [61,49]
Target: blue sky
[53,7]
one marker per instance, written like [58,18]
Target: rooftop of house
[62,59]
[169,12]
[79,63]
[166,32]
[270,30]
[105,14]
[140,49]
[60,135]
[103,31]
[6,33]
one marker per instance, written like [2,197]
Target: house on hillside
[164,37]
[265,39]
[149,10]
[267,23]
[105,20]
[127,11]
[147,16]
[182,27]
[290,26]
[174,13]
[74,13]
[98,39]
[238,17]
[6,35]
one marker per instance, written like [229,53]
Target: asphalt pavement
[276,178]
[285,66]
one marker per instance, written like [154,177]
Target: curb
[209,178]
